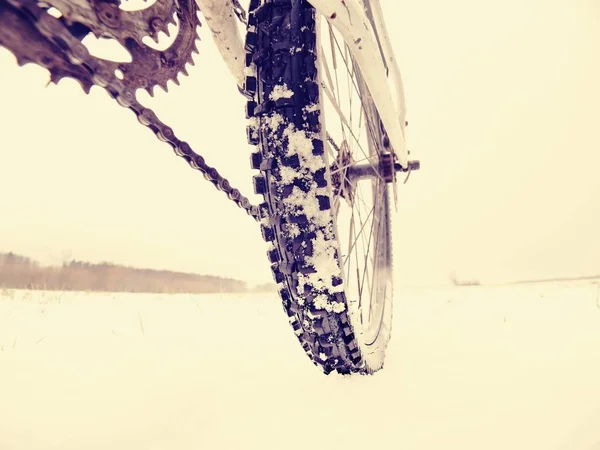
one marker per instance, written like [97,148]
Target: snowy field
[470,368]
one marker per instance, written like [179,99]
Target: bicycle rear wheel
[324,177]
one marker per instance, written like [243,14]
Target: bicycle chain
[101,75]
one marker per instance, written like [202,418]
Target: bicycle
[313,171]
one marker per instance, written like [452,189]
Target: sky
[503,104]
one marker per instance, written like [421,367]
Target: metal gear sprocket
[151,67]
[22,39]
[106,18]
[148,68]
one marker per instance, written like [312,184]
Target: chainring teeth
[105,18]
[23,40]
[165,65]
[148,67]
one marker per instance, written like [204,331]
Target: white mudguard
[223,23]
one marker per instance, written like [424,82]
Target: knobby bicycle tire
[295,180]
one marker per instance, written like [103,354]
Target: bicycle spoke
[354,138]
[367,245]
[353,242]
[372,131]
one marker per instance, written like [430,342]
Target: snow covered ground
[469,368]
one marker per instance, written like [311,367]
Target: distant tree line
[20,272]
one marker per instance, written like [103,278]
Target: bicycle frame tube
[350,19]
[392,63]
[223,24]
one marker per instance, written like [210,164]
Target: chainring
[148,67]
[22,39]
[106,18]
